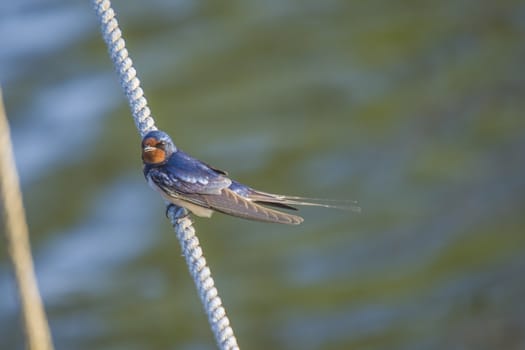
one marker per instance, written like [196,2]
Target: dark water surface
[414,108]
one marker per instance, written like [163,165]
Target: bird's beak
[148,149]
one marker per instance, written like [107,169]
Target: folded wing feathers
[231,203]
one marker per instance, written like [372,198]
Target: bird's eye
[161,145]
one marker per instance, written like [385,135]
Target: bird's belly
[194,208]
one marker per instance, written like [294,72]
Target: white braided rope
[219,322]
[124,67]
[201,274]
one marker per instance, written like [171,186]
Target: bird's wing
[214,195]
[186,175]
[229,202]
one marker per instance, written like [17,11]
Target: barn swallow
[202,189]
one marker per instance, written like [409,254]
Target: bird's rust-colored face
[153,151]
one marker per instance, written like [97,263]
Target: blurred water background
[414,108]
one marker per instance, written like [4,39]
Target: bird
[202,189]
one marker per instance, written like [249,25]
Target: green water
[413,108]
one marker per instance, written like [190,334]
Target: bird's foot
[180,212]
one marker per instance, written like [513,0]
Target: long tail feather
[287,202]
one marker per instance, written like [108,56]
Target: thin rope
[183,226]
[34,318]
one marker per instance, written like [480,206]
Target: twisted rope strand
[183,226]
[124,67]
[201,274]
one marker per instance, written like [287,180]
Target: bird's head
[157,147]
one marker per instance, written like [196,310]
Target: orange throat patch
[153,156]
